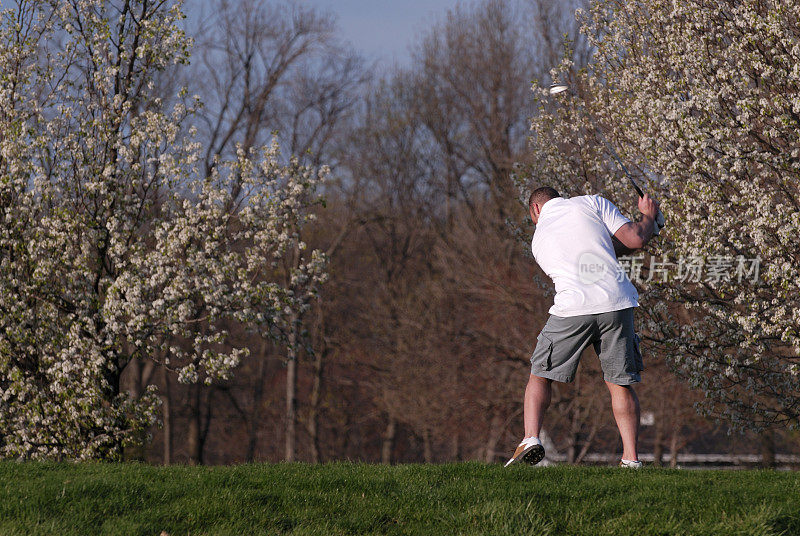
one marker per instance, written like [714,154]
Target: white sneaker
[530,450]
[629,464]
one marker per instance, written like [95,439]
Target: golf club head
[555,89]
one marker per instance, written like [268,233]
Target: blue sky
[378,29]
[383,29]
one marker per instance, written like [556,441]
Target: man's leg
[537,400]
[625,405]
[557,353]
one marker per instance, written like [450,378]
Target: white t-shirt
[572,244]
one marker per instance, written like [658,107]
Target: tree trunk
[587,443]
[316,393]
[768,449]
[388,441]
[658,445]
[575,424]
[254,418]
[139,377]
[206,420]
[167,409]
[134,370]
[194,442]
[199,422]
[572,449]
[495,431]
[673,448]
[456,446]
[427,450]
[291,396]
[574,435]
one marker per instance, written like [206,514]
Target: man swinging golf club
[576,243]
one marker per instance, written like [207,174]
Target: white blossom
[112,247]
[700,99]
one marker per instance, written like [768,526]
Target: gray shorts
[563,339]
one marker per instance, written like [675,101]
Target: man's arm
[633,236]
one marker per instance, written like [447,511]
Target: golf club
[556,89]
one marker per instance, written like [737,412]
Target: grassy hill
[469,498]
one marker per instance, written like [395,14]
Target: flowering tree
[112,248]
[701,100]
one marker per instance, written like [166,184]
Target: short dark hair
[541,195]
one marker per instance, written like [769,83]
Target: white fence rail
[732,460]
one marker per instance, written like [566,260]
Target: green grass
[470,498]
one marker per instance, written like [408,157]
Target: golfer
[576,244]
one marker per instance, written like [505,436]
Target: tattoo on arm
[619,248]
